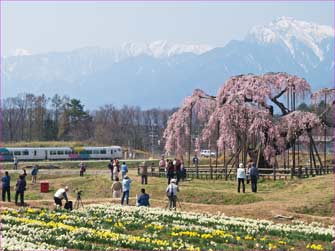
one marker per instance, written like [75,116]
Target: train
[60,153]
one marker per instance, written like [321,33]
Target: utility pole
[152,135]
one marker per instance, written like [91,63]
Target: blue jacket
[124,168]
[143,200]
[21,185]
[254,172]
[34,171]
[5,181]
[126,184]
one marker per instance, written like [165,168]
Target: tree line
[29,117]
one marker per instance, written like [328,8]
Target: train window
[53,152]
[89,151]
[25,152]
[119,150]
[17,153]
[60,152]
[35,152]
[96,152]
[103,151]
[111,151]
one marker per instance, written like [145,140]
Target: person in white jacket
[241,177]
[171,192]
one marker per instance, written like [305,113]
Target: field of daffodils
[111,227]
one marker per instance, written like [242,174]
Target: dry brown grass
[288,198]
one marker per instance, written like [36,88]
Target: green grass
[307,197]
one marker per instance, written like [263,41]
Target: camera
[79,194]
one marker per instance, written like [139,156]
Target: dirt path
[275,200]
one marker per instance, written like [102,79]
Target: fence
[208,172]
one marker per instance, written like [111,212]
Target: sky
[42,27]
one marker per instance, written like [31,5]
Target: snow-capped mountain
[138,74]
[295,34]
[162,49]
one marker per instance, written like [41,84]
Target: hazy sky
[58,26]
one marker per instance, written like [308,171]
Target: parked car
[207,153]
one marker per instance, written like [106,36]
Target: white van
[207,153]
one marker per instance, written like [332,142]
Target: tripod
[177,201]
[79,202]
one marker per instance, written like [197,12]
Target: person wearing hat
[171,192]
[241,177]
[61,194]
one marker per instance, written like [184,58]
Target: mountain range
[161,74]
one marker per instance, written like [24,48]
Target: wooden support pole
[310,157]
[288,107]
[216,144]
[293,109]
[325,137]
[190,139]
[316,151]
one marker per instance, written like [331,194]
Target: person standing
[20,188]
[195,160]
[126,189]
[115,170]
[34,172]
[15,162]
[116,188]
[178,170]
[170,171]
[124,169]
[117,163]
[241,177]
[82,168]
[110,167]
[171,192]
[143,199]
[5,187]
[254,174]
[162,164]
[144,173]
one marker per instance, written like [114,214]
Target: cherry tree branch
[281,106]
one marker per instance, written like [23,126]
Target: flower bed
[109,227]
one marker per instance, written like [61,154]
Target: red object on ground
[44,186]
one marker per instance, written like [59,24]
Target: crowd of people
[121,186]
[20,186]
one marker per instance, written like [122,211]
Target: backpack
[68,205]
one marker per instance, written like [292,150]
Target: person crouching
[61,194]
[143,199]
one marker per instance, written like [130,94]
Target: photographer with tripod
[61,194]
[171,192]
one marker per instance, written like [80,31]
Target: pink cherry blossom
[244,110]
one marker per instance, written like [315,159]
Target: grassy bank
[308,199]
